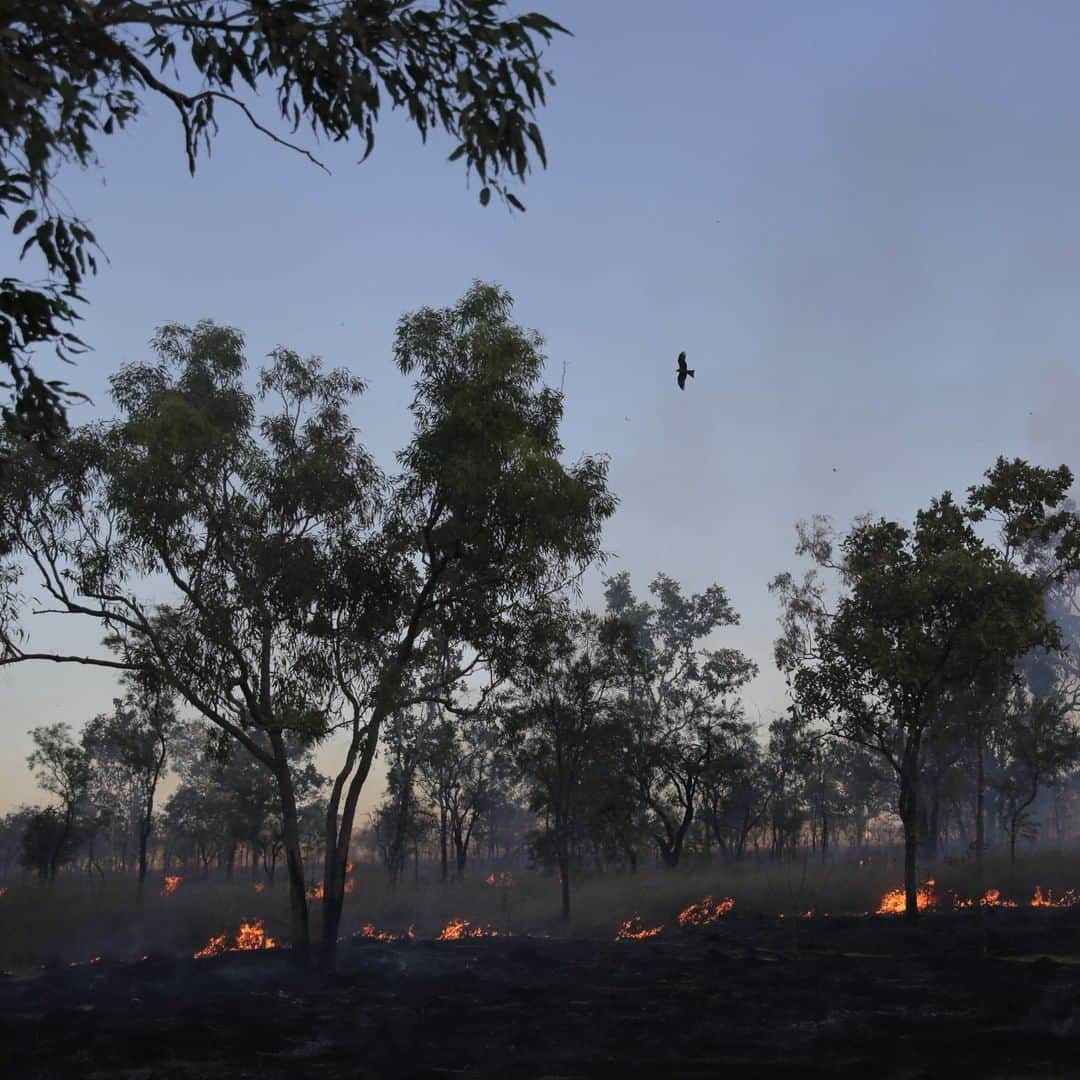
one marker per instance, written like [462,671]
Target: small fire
[172,883]
[502,879]
[3,890]
[214,946]
[892,903]
[705,911]
[368,931]
[459,929]
[635,930]
[992,898]
[318,891]
[1068,899]
[260,886]
[251,937]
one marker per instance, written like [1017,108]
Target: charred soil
[840,996]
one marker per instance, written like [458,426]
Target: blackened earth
[828,997]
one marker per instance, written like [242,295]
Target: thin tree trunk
[909,816]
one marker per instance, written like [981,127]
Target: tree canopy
[74,71]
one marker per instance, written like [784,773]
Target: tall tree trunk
[980,810]
[909,817]
[444,853]
[564,874]
[294,859]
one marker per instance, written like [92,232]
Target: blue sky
[858,219]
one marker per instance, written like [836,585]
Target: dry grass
[80,918]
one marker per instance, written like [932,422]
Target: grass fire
[249,938]
[633,929]
[705,911]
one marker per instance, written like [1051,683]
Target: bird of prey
[683,371]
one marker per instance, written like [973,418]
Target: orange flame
[705,911]
[635,930]
[172,883]
[251,937]
[1068,899]
[214,946]
[260,886]
[893,902]
[502,879]
[318,891]
[368,931]
[458,929]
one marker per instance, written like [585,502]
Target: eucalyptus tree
[735,791]
[305,591]
[405,738]
[680,699]
[1037,744]
[129,749]
[439,778]
[481,526]
[74,72]
[63,768]
[559,721]
[924,612]
[188,528]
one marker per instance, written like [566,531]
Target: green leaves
[927,611]
[71,73]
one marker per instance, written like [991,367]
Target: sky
[857,218]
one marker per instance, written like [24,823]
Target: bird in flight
[683,371]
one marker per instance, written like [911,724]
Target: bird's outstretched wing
[682,361]
[681,379]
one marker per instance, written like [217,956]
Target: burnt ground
[831,997]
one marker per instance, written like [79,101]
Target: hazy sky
[858,219]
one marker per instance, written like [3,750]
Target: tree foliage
[926,613]
[74,71]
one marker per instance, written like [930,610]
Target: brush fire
[460,929]
[990,899]
[893,902]
[502,879]
[251,937]
[1067,899]
[369,932]
[172,883]
[635,930]
[705,911]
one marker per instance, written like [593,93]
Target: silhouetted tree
[926,611]
[679,698]
[133,741]
[64,769]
